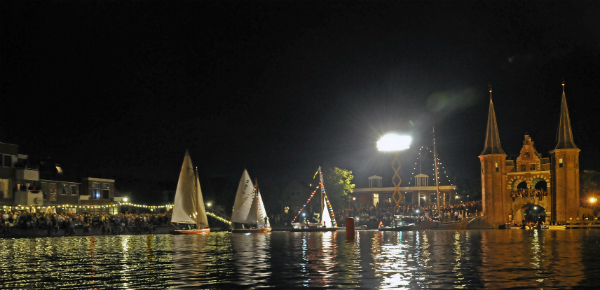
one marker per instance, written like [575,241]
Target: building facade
[22,185]
[423,194]
[532,187]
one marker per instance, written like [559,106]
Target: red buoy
[350,230]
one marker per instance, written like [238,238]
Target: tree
[338,186]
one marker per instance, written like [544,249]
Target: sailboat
[188,207]
[325,224]
[248,208]
[427,224]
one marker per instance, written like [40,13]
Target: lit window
[95,191]
[497,168]
[4,188]
[560,162]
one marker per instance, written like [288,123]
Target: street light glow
[593,199]
[394,142]
[125,199]
[209,204]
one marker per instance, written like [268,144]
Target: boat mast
[437,182]
[256,197]
[321,179]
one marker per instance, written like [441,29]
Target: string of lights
[23,207]
[329,207]
[420,157]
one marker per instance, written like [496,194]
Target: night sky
[119,89]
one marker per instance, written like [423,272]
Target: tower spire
[492,138]
[564,136]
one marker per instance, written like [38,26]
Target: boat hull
[431,225]
[246,231]
[316,229]
[191,232]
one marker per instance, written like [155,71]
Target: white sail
[325,217]
[202,219]
[243,201]
[262,212]
[185,207]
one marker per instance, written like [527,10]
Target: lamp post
[395,143]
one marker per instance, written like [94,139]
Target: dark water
[494,259]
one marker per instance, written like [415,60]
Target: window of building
[560,162]
[52,191]
[105,191]
[532,167]
[374,182]
[65,189]
[375,199]
[95,190]
[45,190]
[497,167]
[408,198]
[74,190]
[4,188]
[7,160]
[523,167]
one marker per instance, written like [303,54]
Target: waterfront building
[47,184]
[532,187]
[424,193]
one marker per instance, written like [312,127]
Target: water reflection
[491,259]
[251,257]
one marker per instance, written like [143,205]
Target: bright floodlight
[125,199]
[393,142]
[593,199]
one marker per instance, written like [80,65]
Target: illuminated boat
[249,214]
[326,224]
[188,208]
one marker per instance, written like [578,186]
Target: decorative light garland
[23,207]
[433,164]
[329,208]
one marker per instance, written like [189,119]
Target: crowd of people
[386,211]
[52,222]
[522,192]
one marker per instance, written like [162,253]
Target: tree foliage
[339,186]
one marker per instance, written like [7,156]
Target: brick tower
[495,204]
[565,170]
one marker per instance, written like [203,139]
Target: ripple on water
[492,259]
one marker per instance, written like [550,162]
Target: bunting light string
[69,206]
[302,208]
[218,217]
[329,207]
[440,163]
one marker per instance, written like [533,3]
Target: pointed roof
[492,138]
[564,136]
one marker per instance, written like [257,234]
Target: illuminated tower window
[497,168]
[560,162]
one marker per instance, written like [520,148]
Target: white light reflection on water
[492,259]
[251,257]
